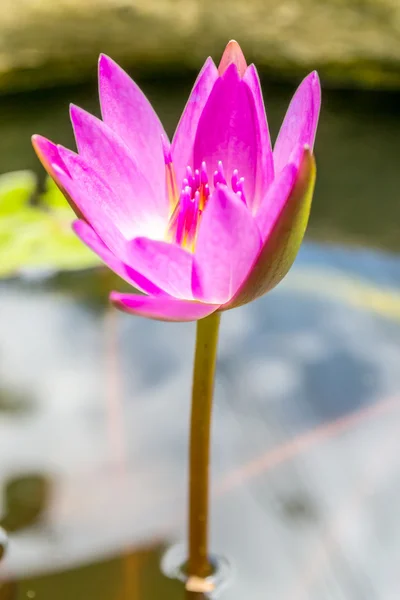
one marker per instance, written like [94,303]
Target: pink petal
[110,218]
[182,144]
[233,55]
[48,153]
[285,233]
[301,120]
[227,244]
[168,266]
[228,131]
[49,156]
[107,154]
[92,240]
[265,162]
[162,308]
[130,115]
[275,199]
[278,193]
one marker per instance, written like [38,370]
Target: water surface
[94,403]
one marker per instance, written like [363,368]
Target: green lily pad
[16,189]
[37,236]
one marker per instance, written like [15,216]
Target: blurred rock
[352,43]
[25,500]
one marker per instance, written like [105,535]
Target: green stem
[200,428]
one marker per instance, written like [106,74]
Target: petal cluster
[208,222]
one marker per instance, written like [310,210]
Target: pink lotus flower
[207,223]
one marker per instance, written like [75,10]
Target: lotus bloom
[206,223]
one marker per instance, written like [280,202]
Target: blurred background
[94,404]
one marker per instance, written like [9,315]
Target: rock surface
[351,42]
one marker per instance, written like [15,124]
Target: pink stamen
[221,171]
[219,176]
[193,220]
[235,180]
[184,203]
[195,193]
[197,180]
[191,216]
[240,188]
[189,177]
[203,173]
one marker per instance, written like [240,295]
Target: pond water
[94,404]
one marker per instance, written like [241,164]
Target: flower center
[188,205]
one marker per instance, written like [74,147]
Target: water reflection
[134,575]
[8,590]
[305,437]
[174,563]
[26,498]
[13,403]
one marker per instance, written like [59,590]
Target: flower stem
[200,428]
